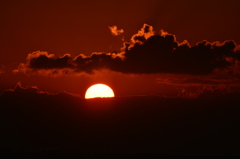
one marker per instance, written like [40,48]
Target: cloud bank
[35,121]
[146,53]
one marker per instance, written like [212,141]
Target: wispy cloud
[115,31]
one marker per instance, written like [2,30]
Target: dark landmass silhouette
[57,124]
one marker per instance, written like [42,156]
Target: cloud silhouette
[146,53]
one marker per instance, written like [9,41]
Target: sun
[99,91]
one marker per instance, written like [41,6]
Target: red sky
[52,51]
[74,27]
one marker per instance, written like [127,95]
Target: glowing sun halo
[99,90]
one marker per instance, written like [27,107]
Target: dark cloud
[147,52]
[32,121]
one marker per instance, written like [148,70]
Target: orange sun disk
[99,91]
